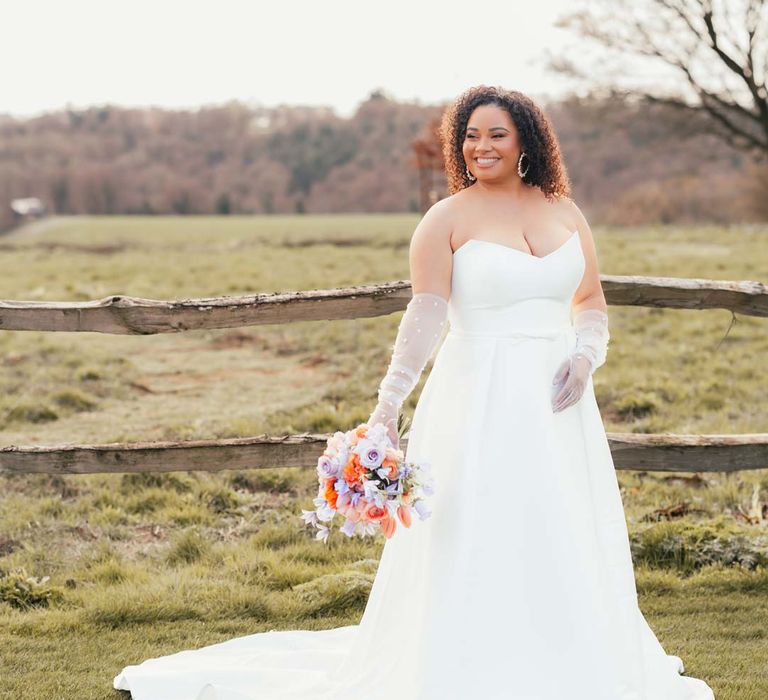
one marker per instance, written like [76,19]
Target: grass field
[143,565]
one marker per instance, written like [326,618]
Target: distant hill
[627,164]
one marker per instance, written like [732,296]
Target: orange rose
[330,493]
[353,471]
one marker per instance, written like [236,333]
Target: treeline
[628,164]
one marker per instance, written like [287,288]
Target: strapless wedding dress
[520,585]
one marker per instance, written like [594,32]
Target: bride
[520,585]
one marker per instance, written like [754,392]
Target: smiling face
[491,146]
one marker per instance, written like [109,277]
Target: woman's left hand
[574,373]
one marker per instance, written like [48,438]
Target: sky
[77,53]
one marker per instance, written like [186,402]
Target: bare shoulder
[430,255]
[571,209]
[434,229]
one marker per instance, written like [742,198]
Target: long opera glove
[591,349]
[417,336]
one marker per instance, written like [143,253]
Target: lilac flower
[355,497]
[327,467]
[342,500]
[371,454]
[421,509]
[341,486]
[348,528]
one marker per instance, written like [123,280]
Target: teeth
[487,160]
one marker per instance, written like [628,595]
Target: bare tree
[716,51]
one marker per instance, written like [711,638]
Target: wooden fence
[135,316]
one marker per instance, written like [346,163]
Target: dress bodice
[498,290]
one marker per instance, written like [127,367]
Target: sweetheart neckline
[516,250]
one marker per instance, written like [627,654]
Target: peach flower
[404,513]
[388,525]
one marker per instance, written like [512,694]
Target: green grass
[197,558]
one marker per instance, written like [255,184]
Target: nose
[483,145]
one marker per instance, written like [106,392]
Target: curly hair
[537,138]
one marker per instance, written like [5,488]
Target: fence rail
[127,315]
[136,316]
[651,452]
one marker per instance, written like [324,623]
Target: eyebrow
[493,128]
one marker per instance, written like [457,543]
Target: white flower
[378,433]
[325,512]
[322,533]
[372,493]
[309,516]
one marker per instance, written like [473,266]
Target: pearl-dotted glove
[418,334]
[592,338]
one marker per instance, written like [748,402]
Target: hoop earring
[519,165]
[470,176]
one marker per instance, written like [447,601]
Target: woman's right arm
[430,255]
[421,326]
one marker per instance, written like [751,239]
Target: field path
[35,228]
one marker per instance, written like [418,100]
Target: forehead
[489,117]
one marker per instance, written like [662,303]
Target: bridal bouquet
[364,478]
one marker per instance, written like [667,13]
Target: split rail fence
[135,316]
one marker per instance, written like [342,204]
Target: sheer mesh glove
[592,337]
[418,334]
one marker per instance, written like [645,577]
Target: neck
[514,187]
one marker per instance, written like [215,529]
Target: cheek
[509,146]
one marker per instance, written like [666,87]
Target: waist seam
[533,335]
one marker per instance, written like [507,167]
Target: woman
[520,586]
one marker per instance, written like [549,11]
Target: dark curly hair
[537,138]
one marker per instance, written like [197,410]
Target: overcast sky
[169,53]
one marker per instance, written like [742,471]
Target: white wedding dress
[520,584]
